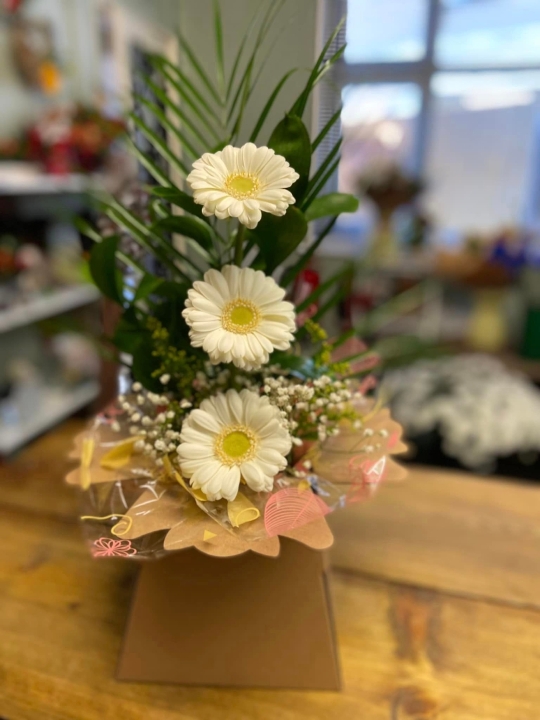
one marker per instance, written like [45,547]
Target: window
[492,32]
[371,38]
[378,123]
[449,90]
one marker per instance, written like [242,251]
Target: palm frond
[292,271]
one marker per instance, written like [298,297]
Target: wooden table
[436,590]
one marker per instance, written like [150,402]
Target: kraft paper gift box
[236,597]
[243,621]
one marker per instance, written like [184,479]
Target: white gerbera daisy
[238,315]
[230,437]
[242,182]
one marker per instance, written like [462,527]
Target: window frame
[420,72]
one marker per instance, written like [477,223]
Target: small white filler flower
[230,437]
[242,183]
[238,315]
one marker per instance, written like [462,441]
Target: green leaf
[320,67]
[179,81]
[168,311]
[172,290]
[147,163]
[291,272]
[185,81]
[220,59]
[122,217]
[171,127]
[332,60]
[166,251]
[128,333]
[340,292]
[269,104]
[326,129]
[159,144]
[245,87]
[144,364]
[179,198]
[189,226]
[199,69]
[331,204]
[291,139]
[247,36]
[342,273]
[322,182]
[84,227]
[147,285]
[103,268]
[314,182]
[88,231]
[397,306]
[278,237]
[175,108]
[244,91]
[405,349]
[341,339]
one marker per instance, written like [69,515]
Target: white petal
[216,279]
[190,451]
[270,456]
[206,420]
[236,406]
[253,475]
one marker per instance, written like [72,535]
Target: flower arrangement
[239,424]
[460,398]
[66,139]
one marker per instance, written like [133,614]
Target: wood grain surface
[435,587]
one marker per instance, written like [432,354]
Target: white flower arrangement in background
[481,409]
[242,183]
[229,437]
[238,315]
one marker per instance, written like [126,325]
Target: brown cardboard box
[244,621]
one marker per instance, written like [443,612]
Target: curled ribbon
[241,510]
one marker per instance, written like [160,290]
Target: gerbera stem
[239,245]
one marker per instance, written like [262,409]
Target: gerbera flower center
[240,316]
[242,185]
[236,444]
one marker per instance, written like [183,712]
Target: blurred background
[441,143]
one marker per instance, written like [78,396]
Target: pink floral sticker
[107,547]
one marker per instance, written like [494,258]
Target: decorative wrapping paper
[134,509]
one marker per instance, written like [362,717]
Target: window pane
[493,32]
[379,126]
[385,30]
[484,149]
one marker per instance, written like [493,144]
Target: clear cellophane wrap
[133,508]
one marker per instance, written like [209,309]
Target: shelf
[46,306]
[55,405]
[26,179]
